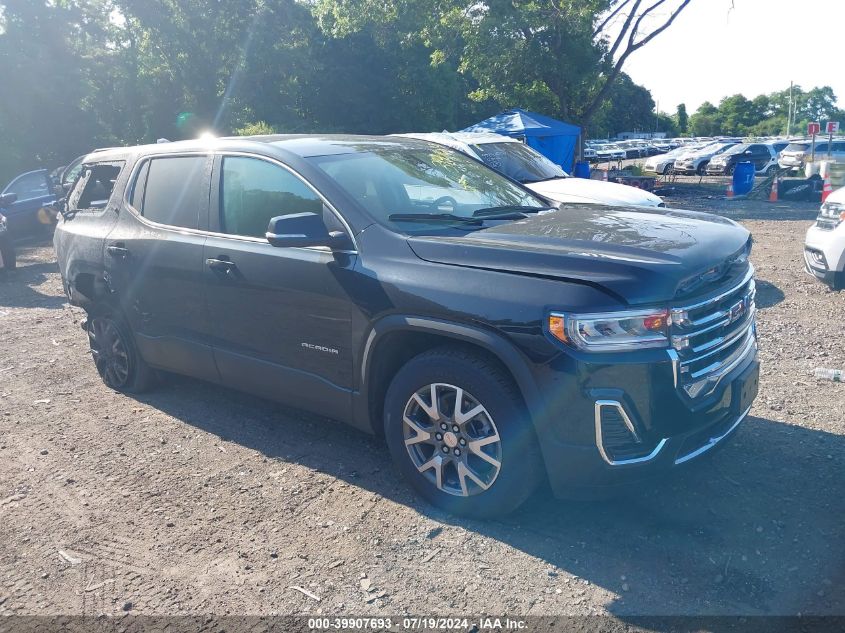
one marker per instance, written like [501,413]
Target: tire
[701,170]
[470,485]
[7,250]
[667,170]
[114,353]
[772,170]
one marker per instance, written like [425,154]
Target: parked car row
[718,157]
[410,290]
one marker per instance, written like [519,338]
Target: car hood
[641,255]
[586,191]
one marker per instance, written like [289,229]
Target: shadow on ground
[18,286]
[768,294]
[755,529]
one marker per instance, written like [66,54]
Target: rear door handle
[223,265]
[118,251]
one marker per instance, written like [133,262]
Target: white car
[519,162]
[695,162]
[610,152]
[663,163]
[824,246]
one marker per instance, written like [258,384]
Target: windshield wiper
[507,210]
[433,217]
[531,182]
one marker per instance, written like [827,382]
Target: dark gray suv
[409,290]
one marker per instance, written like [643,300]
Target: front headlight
[611,331]
[832,214]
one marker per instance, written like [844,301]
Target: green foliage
[766,115]
[681,118]
[81,74]
[255,129]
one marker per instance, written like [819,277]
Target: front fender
[491,341]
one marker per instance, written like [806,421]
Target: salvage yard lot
[194,500]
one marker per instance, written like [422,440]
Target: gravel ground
[198,500]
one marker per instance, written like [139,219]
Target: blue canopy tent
[554,139]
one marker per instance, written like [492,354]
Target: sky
[712,51]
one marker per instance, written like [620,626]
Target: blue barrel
[743,178]
[582,169]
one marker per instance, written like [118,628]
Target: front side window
[254,191]
[518,161]
[29,186]
[416,189]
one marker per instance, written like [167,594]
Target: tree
[633,34]
[736,115]
[562,57]
[681,118]
[630,108]
[705,121]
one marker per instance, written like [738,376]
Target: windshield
[402,187]
[518,161]
[737,149]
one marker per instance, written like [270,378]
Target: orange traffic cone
[773,196]
[730,192]
[828,188]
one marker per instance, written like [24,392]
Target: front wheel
[458,431]
[8,260]
[114,353]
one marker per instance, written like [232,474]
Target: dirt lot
[194,499]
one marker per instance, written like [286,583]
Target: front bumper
[717,169]
[618,418]
[573,467]
[824,254]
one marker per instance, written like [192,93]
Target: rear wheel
[702,168]
[114,353]
[457,429]
[667,170]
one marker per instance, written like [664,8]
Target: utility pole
[789,113]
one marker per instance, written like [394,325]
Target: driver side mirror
[7,199]
[303,230]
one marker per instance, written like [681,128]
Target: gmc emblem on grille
[737,310]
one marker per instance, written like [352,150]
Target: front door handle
[222,265]
[119,252]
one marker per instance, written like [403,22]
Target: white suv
[824,246]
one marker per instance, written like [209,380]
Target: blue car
[32,211]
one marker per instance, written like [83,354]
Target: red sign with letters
[813,128]
[832,127]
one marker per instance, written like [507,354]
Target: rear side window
[95,186]
[254,191]
[171,190]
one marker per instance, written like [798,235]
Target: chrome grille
[711,337]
